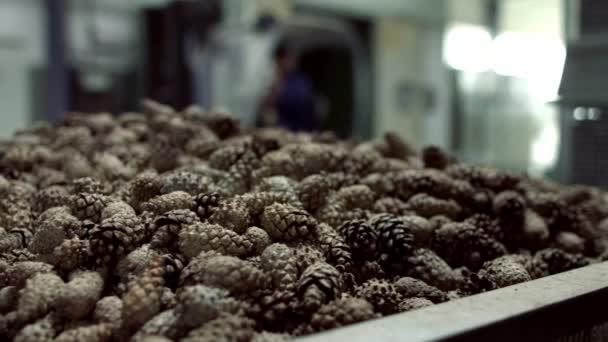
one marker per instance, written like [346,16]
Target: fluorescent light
[467,48]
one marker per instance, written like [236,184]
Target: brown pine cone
[144,187]
[381,294]
[505,271]
[277,311]
[336,212]
[52,196]
[199,304]
[221,123]
[435,157]
[413,303]
[143,298]
[411,287]
[361,238]
[235,275]
[428,206]
[71,254]
[390,205]
[166,324]
[88,206]
[171,201]
[80,295]
[307,255]
[284,222]
[200,237]
[314,190]
[258,238]
[40,295]
[94,333]
[183,180]
[462,244]
[424,264]
[559,261]
[231,214]
[224,328]
[318,284]
[166,227]
[395,239]
[41,330]
[15,239]
[205,204]
[280,262]
[115,237]
[337,251]
[341,312]
[256,202]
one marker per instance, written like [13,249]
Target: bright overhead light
[467,48]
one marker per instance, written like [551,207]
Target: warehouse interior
[449,73]
[324,170]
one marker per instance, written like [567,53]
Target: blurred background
[514,83]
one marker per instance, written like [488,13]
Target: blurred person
[290,102]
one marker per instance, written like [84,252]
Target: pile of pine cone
[168,225]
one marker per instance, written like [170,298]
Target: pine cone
[390,205]
[395,239]
[505,271]
[41,330]
[428,206]
[225,328]
[80,295]
[88,206]
[232,215]
[318,284]
[166,227]
[307,255]
[434,157]
[229,273]
[222,124]
[381,294]
[461,244]
[276,311]
[284,222]
[186,181]
[200,237]
[144,187]
[411,287]
[115,237]
[361,238]
[314,190]
[559,261]
[413,303]
[337,252]
[280,263]
[341,312]
[52,196]
[94,333]
[205,204]
[143,299]
[171,201]
[256,202]
[199,304]
[424,264]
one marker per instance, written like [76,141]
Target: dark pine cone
[361,237]
[319,284]
[560,261]
[205,204]
[434,157]
[462,244]
[395,240]
[276,312]
[114,237]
